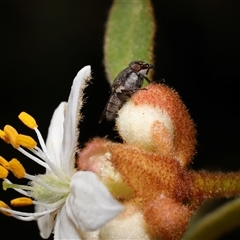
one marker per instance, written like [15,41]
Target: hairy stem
[209,185]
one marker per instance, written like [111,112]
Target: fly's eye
[136,67]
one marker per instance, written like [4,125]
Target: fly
[127,82]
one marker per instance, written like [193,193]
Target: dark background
[43,44]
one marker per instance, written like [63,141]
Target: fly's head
[140,67]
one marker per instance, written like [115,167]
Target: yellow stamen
[26,141]
[17,168]
[28,120]
[4,137]
[3,172]
[21,202]
[4,205]
[4,162]
[12,135]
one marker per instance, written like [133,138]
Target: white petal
[45,223]
[65,228]
[90,205]
[55,134]
[72,119]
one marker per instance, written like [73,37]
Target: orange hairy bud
[92,155]
[167,218]
[148,173]
[183,140]
[95,157]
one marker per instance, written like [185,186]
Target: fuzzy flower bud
[167,218]
[96,157]
[156,120]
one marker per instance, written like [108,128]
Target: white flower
[66,200]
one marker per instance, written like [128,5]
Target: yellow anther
[26,141]
[28,120]
[4,137]
[4,162]
[3,172]
[21,202]
[4,205]
[11,135]
[17,168]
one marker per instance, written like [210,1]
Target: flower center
[49,190]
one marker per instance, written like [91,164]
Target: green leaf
[129,35]
[215,224]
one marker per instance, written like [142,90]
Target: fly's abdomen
[114,104]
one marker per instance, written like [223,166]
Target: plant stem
[209,185]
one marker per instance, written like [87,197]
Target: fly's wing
[105,109]
[117,83]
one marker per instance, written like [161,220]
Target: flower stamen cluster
[49,191]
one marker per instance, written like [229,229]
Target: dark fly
[127,82]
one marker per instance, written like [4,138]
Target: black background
[43,44]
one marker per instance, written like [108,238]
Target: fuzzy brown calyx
[148,173]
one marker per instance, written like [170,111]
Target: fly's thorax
[134,81]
